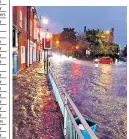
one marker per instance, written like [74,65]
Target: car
[123,59]
[105,60]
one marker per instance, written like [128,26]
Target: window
[14,38]
[22,54]
[25,27]
[22,50]
[20,19]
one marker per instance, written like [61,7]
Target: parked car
[123,59]
[105,60]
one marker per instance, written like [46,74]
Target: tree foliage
[99,44]
[125,51]
[94,40]
[68,34]
[82,41]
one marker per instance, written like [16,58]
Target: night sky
[93,17]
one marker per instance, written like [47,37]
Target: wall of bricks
[22,41]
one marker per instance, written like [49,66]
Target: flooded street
[99,92]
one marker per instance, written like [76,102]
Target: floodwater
[99,92]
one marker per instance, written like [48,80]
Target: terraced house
[26,37]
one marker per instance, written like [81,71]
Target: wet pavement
[36,114]
[99,92]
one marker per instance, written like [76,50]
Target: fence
[67,107]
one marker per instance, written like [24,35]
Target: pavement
[36,115]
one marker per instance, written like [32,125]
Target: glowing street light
[48,36]
[107,32]
[57,42]
[77,47]
[44,20]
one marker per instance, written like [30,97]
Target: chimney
[112,31]
[84,28]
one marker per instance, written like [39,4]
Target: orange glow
[48,36]
[107,32]
[57,42]
[77,47]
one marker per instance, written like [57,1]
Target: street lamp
[77,47]
[44,20]
[57,42]
[48,36]
[107,32]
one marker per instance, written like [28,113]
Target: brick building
[26,36]
[19,34]
[31,42]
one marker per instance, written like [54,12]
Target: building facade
[19,34]
[26,37]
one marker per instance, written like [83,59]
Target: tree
[82,41]
[68,34]
[93,37]
[125,51]
[99,44]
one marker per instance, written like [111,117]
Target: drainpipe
[28,36]
[27,40]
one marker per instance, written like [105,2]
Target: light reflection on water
[100,93]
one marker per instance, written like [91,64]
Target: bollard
[116,61]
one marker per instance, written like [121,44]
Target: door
[31,54]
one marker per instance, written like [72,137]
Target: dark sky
[93,17]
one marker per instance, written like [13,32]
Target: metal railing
[71,129]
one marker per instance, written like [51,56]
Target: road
[99,92]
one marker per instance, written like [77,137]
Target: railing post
[65,115]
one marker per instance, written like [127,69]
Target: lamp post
[76,52]
[44,21]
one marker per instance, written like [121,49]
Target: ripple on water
[99,93]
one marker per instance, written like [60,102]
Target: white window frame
[22,54]
[20,18]
[25,25]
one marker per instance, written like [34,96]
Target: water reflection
[99,93]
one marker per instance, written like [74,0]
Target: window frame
[20,18]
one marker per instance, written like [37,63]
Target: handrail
[81,118]
[74,123]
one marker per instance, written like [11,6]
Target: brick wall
[14,15]
[23,35]
[25,15]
